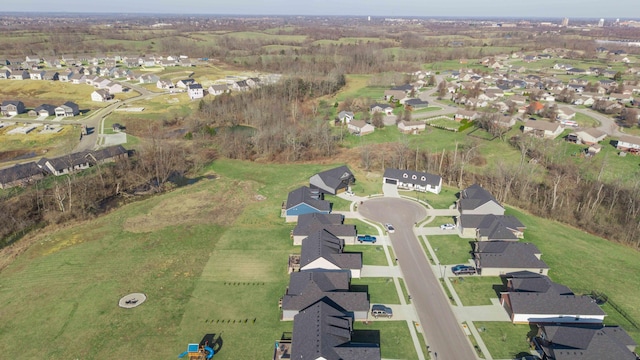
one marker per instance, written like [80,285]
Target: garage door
[391,181]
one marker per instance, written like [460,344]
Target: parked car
[463,270]
[390,228]
[447,227]
[350,193]
[381,310]
[367,238]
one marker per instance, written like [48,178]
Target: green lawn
[371,254]
[477,290]
[444,200]
[362,227]
[395,338]
[505,340]
[440,220]
[381,290]
[445,123]
[451,249]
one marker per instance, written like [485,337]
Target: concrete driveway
[441,328]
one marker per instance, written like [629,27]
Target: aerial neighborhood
[344,187]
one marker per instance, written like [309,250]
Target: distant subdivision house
[543,129]
[360,127]
[629,143]
[67,109]
[537,299]
[324,251]
[333,181]
[43,110]
[413,180]
[494,258]
[411,127]
[12,107]
[305,200]
[195,91]
[82,160]
[324,331]
[309,224]
[101,95]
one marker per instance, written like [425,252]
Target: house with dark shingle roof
[491,227]
[69,108]
[323,331]
[333,181]
[324,251]
[82,160]
[334,223]
[413,180]
[304,200]
[416,103]
[494,258]
[43,110]
[549,307]
[475,200]
[20,175]
[12,107]
[572,342]
[308,287]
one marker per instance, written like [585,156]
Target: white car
[390,228]
[447,227]
[350,193]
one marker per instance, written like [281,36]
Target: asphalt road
[441,328]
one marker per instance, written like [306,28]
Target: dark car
[367,238]
[463,270]
[381,310]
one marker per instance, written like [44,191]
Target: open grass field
[34,93]
[395,339]
[35,144]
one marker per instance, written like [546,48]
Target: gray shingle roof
[323,280]
[333,179]
[500,227]
[342,299]
[508,254]
[538,284]
[322,331]
[553,304]
[19,172]
[311,223]
[323,244]
[475,196]
[407,176]
[573,342]
[307,196]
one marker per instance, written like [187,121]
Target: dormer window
[414,177]
[405,175]
[423,178]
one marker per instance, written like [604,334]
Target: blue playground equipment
[198,352]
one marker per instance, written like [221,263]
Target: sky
[623,9]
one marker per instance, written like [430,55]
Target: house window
[423,178]
[414,177]
[405,176]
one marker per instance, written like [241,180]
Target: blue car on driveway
[367,238]
[463,270]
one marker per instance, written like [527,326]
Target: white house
[542,128]
[411,127]
[101,95]
[195,91]
[413,180]
[360,127]
[628,143]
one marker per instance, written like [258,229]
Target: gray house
[323,331]
[565,342]
[43,110]
[311,223]
[67,109]
[12,107]
[475,200]
[324,251]
[333,181]
[494,258]
[308,287]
